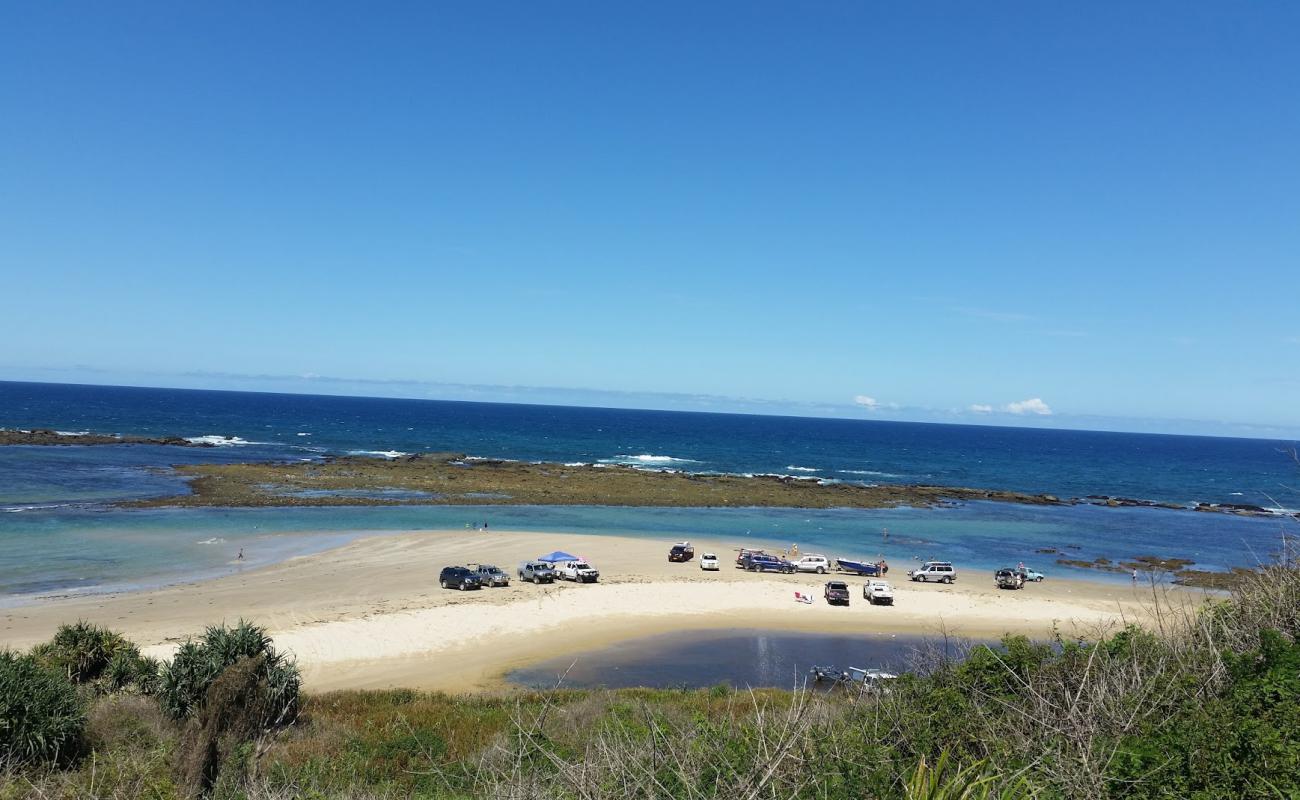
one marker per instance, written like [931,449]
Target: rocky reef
[44,436]
[455,479]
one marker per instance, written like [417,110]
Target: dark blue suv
[762,562]
[459,578]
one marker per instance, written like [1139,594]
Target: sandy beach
[370,614]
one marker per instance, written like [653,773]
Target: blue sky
[949,211]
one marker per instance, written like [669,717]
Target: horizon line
[1279,435]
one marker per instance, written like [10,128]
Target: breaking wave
[793,468]
[17,509]
[872,472]
[380,453]
[220,441]
[646,458]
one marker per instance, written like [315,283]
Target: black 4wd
[459,578]
[836,593]
[683,551]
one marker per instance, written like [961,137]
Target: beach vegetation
[83,651]
[185,680]
[42,716]
[128,670]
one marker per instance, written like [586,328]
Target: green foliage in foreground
[102,659]
[1242,743]
[41,716]
[186,678]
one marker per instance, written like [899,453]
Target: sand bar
[370,614]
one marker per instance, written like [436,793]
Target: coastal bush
[129,670]
[83,650]
[41,715]
[234,711]
[1244,743]
[184,681]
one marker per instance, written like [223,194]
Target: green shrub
[83,650]
[41,716]
[184,681]
[128,669]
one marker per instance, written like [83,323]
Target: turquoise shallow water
[96,549]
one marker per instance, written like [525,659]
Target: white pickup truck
[578,572]
[878,592]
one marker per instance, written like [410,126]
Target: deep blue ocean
[58,533]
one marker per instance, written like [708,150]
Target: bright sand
[371,614]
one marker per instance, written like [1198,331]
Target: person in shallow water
[240,557]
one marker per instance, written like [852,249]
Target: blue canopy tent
[558,555]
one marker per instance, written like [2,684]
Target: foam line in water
[221,441]
[646,458]
[875,473]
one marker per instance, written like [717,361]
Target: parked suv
[682,551]
[836,593]
[762,562]
[459,578]
[537,572]
[490,575]
[1008,579]
[940,571]
[813,563]
[579,572]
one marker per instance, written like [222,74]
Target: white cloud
[980,408]
[1033,405]
[872,404]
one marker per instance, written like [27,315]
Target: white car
[709,561]
[579,572]
[814,562]
[878,593]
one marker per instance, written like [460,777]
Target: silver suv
[490,575]
[537,572]
[940,571]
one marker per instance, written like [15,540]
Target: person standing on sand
[1135,577]
[240,557]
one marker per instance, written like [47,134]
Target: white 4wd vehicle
[709,561]
[578,572]
[940,571]
[813,562]
[878,592]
